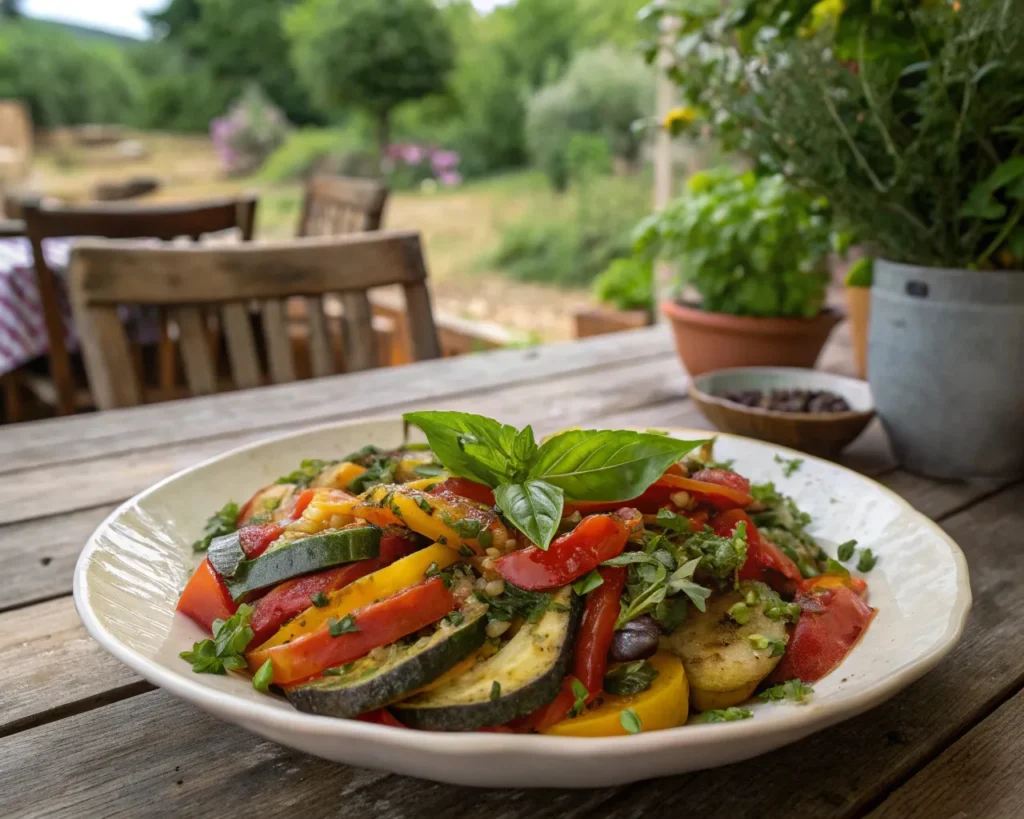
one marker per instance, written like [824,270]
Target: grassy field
[461,227]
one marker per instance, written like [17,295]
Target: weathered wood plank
[982,774]
[50,667]
[89,436]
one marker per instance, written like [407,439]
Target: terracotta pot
[858,309]
[713,341]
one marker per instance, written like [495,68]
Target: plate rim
[803,721]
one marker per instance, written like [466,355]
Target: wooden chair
[334,205]
[117,222]
[185,280]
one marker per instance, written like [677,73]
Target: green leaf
[1015,244]
[867,561]
[345,625]
[306,473]
[224,651]
[261,680]
[579,691]
[220,523]
[673,522]
[732,714]
[630,678]
[606,465]
[534,507]
[845,550]
[981,201]
[794,690]
[495,690]
[630,721]
[319,600]
[470,446]
[587,584]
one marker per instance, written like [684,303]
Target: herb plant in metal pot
[909,118]
[754,250]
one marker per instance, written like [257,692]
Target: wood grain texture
[982,774]
[195,351]
[241,344]
[50,667]
[90,436]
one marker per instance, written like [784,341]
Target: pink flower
[445,160]
[450,178]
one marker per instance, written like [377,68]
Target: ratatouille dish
[597,583]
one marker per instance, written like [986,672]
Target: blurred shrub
[603,92]
[570,243]
[627,284]
[308,150]
[249,132]
[66,80]
[178,93]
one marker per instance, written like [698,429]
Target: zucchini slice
[367,683]
[310,554]
[528,671]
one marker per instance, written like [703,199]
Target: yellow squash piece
[453,521]
[663,705]
[424,484]
[339,476]
[380,584]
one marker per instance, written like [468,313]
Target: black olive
[637,640]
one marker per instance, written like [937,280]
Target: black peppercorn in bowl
[817,412]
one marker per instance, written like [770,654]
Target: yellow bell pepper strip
[383,583]
[424,484]
[454,521]
[338,476]
[663,705]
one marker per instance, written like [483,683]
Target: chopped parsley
[630,678]
[225,650]
[845,550]
[220,523]
[630,721]
[424,504]
[759,642]
[673,522]
[588,583]
[515,601]
[346,625]
[579,691]
[495,690]
[867,561]
[456,618]
[307,472]
[732,714]
[319,600]
[794,690]
[789,465]
[261,679]
[740,613]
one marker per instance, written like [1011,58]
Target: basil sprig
[531,482]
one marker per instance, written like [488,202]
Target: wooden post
[665,101]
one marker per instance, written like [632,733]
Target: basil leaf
[630,721]
[470,446]
[606,465]
[261,680]
[731,714]
[533,507]
[588,583]
[630,678]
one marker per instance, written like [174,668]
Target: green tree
[370,54]
[10,9]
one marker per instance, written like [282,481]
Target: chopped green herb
[845,550]
[429,470]
[456,618]
[424,504]
[345,625]
[867,561]
[740,612]
[775,608]
[732,714]
[442,540]
[588,583]
[759,643]
[727,465]
[220,523]
[261,679]
[630,721]
[672,522]
[833,566]
[433,570]
[319,600]
[789,465]
[515,601]
[485,538]
[465,551]
[225,650]
[791,690]
[579,690]
[307,472]
[466,528]
[495,690]
[339,670]
[630,678]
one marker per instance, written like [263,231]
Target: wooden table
[82,736]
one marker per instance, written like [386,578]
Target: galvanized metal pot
[946,367]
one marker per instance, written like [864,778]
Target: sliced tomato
[285,601]
[830,581]
[206,597]
[765,561]
[832,622]
[717,495]
[465,488]
[377,624]
[595,539]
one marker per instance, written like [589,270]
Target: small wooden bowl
[817,433]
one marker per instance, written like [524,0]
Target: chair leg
[14,407]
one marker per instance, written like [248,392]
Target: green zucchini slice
[308,554]
[367,683]
[525,674]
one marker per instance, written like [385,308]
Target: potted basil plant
[751,255]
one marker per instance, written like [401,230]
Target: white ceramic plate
[134,565]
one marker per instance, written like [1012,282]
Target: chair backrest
[116,222]
[193,282]
[333,205]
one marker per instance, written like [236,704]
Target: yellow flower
[678,117]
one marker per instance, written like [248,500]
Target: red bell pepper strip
[377,624]
[648,502]
[830,581]
[713,494]
[301,502]
[832,622]
[590,659]
[254,540]
[723,477]
[382,716]
[286,600]
[765,561]
[206,597]
[465,488]
[595,539]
